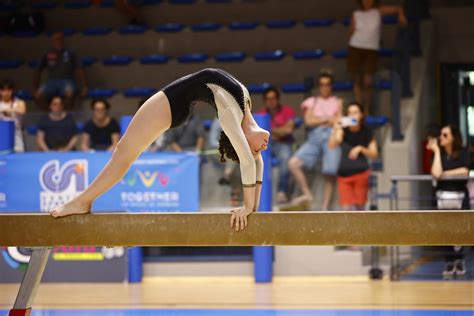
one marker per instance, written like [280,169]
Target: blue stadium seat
[298,87]
[346,21]
[80,126]
[340,54]
[231,57]
[318,22]
[88,61]
[24,95]
[111,3]
[182,1]
[77,4]
[117,60]
[101,93]
[5,7]
[376,121]
[107,3]
[385,52]
[193,58]
[154,59]
[25,34]
[32,129]
[206,124]
[97,30]
[342,85]
[390,19]
[298,122]
[66,31]
[280,24]
[206,27]
[10,63]
[242,26]
[384,84]
[133,29]
[258,87]
[270,55]
[33,63]
[309,54]
[151,2]
[44,5]
[139,92]
[169,28]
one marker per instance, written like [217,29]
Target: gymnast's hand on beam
[239,218]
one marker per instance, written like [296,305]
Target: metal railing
[400,261]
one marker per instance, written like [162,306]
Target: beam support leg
[30,282]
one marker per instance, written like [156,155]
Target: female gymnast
[242,139]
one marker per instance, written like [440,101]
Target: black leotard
[184,92]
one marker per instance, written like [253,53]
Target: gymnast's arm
[232,128]
[259,178]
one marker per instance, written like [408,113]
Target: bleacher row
[234,56]
[254,88]
[198,27]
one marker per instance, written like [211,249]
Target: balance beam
[374,228]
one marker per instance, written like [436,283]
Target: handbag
[449,200]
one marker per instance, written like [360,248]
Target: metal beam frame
[375,228]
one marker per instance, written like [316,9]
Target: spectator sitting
[102,132]
[12,108]
[320,114]
[364,43]
[62,64]
[283,125]
[451,159]
[189,137]
[57,130]
[357,146]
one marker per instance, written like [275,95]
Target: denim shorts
[54,87]
[316,149]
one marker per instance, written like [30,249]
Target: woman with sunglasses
[451,159]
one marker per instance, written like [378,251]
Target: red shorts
[353,190]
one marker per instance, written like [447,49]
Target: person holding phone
[358,146]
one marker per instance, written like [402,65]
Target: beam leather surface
[212,229]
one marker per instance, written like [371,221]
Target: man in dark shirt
[57,130]
[62,64]
[102,132]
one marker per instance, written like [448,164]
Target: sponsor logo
[147,178]
[61,184]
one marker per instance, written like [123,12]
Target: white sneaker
[459,268]
[449,270]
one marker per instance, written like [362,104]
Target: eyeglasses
[325,84]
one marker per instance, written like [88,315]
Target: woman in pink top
[320,114]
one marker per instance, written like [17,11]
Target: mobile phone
[348,121]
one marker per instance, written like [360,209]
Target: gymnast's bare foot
[302,199]
[74,206]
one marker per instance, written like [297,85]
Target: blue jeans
[316,149]
[283,152]
[60,87]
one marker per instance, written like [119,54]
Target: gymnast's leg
[151,120]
